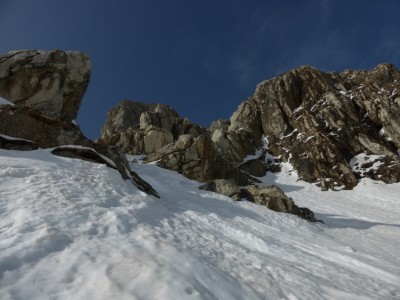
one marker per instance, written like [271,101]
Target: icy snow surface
[72,229]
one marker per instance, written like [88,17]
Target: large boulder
[53,82]
[270,196]
[275,199]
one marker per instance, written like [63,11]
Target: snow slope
[72,229]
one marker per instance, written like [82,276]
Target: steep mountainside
[40,95]
[334,128]
[321,121]
[73,229]
[77,223]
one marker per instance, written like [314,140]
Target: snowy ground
[71,229]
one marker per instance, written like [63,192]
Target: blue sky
[201,57]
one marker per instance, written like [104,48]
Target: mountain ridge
[288,111]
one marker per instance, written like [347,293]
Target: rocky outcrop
[11,143]
[275,199]
[197,159]
[316,121]
[140,128]
[40,95]
[53,82]
[270,196]
[30,124]
[223,187]
[174,142]
[320,121]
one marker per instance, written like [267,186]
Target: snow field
[71,229]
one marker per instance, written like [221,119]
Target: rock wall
[320,121]
[174,142]
[317,121]
[53,82]
[140,128]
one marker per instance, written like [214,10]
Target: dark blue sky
[201,57]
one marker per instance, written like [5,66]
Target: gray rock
[140,128]
[223,187]
[275,199]
[53,82]
[118,162]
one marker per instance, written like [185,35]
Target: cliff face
[53,82]
[174,142]
[332,127]
[321,121]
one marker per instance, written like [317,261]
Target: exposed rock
[317,121]
[222,125]
[175,143]
[34,130]
[377,167]
[224,187]
[87,154]
[320,121]
[117,162]
[197,159]
[42,93]
[30,124]
[255,167]
[53,82]
[273,198]
[10,143]
[138,128]
[232,145]
[155,138]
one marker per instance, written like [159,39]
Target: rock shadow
[336,221]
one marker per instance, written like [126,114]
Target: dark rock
[223,187]
[273,198]
[30,124]
[117,162]
[10,143]
[254,167]
[377,167]
[197,159]
[84,153]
